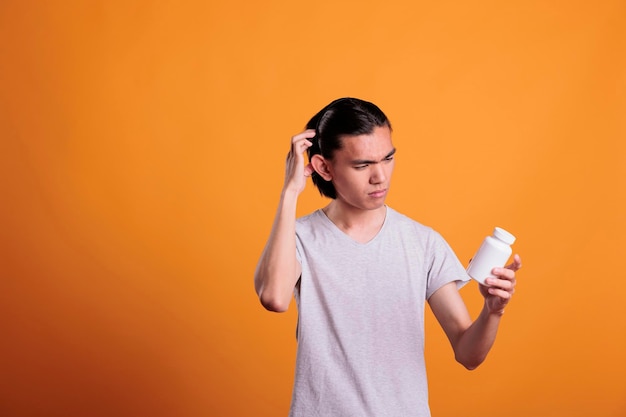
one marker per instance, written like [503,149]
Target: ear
[321,166]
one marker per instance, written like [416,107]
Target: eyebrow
[367,161]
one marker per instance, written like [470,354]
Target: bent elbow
[469,364]
[274,291]
[470,367]
[274,304]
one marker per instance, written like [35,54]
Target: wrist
[289,193]
[492,313]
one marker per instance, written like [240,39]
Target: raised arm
[278,269]
[472,341]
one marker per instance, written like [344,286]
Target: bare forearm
[477,340]
[278,268]
[474,344]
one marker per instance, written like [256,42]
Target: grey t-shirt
[361,317]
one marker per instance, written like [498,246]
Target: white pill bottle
[494,252]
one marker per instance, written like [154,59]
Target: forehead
[374,146]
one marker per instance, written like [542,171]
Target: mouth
[378,193]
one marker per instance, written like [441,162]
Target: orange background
[141,160]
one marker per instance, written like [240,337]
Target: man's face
[361,170]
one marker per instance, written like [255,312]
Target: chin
[376,205]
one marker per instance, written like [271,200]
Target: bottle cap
[503,235]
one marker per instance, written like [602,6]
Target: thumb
[308,170]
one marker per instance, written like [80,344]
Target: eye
[360,167]
[389,158]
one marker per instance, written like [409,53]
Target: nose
[377,174]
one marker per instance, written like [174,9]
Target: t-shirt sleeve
[298,249]
[299,232]
[444,266]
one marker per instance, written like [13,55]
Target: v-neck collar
[343,235]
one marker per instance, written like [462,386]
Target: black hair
[343,117]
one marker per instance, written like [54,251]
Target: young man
[362,272]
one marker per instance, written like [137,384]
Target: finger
[298,147]
[307,134]
[308,170]
[504,284]
[504,295]
[503,273]
[302,145]
[516,264]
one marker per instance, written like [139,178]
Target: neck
[349,218]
